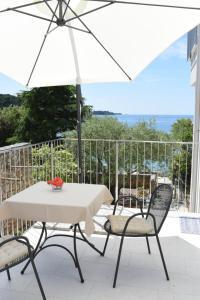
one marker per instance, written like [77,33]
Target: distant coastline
[104,113]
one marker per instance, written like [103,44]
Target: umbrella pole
[79,148]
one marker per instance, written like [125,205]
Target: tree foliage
[7,100]
[104,128]
[110,128]
[132,155]
[182,130]
[49,110]
[10,117]
[51,162]
[146,131]
[43,112]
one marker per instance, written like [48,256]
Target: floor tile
[141,276]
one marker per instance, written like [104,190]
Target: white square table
[75,203]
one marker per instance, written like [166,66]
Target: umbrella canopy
[58,42]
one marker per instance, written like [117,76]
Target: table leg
[45,237]
[82,238]
[59,246]
[37,246]
[41,247]
[88,242]
[75,253]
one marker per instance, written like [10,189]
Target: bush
[51,162]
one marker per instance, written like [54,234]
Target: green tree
[99,156]
[8,100]
[49,110]
[182,130]
[10,117]
[51,162]
[104,128]
[146,131]
[110,128]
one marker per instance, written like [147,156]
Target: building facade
[193,55]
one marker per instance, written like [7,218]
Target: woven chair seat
[11,252]
[137,226]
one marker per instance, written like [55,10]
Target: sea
[162,122]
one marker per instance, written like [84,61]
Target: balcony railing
[125,167]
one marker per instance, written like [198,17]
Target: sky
[162,88]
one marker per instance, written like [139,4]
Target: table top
[73,204]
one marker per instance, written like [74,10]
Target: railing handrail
[114,141]
[93,140]
[111,140]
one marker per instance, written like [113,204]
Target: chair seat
[11,252]
[136,226]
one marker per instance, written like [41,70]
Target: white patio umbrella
[80,41]
[60,42]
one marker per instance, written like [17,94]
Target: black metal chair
[14,250]
[148,225]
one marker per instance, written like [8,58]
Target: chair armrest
[126,199]
[140,214]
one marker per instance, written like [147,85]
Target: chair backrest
[159,204]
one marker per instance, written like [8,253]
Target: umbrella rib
[99,42]
[147,4]
[24,5]
[90,11]
[79,29]
[41,47]
[46,2]
[66,9]
[32,15]
[50,31]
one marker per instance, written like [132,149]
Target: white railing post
[116,169]
[52,162]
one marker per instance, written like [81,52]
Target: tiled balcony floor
[141,276]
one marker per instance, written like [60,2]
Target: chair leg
[37,278]
[162,257]
[118,261]
[8,274]
[148,246]
[105,246]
